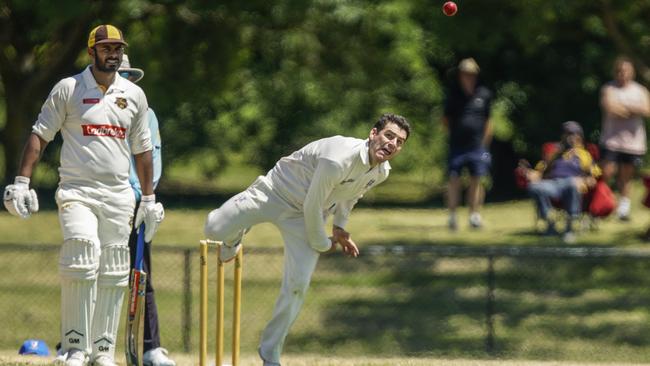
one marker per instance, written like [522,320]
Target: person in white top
[325,177]
[102,118]
[625,103]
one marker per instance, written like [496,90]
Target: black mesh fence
[551,303]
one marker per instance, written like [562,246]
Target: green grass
[509,223]
[9,358]
[384,306]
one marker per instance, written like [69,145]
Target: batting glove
[19,200]
[152,214]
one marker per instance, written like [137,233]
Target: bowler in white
[327,176]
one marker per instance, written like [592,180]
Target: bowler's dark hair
[400,121]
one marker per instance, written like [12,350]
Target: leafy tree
[250,81]
[313,69]
[39,42]
[192,53]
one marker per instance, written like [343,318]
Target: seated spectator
[564,177]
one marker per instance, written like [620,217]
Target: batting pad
[111,284]
[78,260]
[114,266]
[78,271]
[106,320]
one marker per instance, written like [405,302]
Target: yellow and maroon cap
[105,33]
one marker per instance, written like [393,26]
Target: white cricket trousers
[93,266]
[257,204]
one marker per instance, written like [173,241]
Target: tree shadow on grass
[422,304]
[407,311]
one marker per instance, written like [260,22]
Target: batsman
[326,177]
[102,118]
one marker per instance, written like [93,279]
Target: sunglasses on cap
[125,74]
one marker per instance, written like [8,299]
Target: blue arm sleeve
[157,157]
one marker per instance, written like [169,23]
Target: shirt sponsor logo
[91,100]
[104,130]
[370,183]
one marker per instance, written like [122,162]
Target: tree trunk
[623,45]
[19,119]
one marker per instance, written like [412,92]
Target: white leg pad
[78,263]
[111,283]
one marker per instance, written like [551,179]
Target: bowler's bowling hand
[345,240]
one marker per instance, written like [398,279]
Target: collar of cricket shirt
[365,157]
[91,83]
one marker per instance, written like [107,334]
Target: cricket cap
[105,33]
[34,347]
[125,67]
[469,66]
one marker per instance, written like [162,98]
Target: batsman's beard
[103,67]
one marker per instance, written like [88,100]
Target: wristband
[20,180]
[149,198]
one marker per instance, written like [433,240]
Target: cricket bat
[134,321]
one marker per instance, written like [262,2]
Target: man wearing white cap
[103,121]
[154,354]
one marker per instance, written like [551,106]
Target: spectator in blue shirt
[564,176]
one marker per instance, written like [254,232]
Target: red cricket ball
[449,8]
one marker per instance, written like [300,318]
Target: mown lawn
[507,223]
[9,358]
[381,305]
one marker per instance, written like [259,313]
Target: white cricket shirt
[326,176]
[100,131]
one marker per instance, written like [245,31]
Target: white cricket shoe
[59,360]
[569,237]
[452,223]
[265,362]
[104,360]
[475,220]
[623,209]
[76,357]
[157,357]
[61,355]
